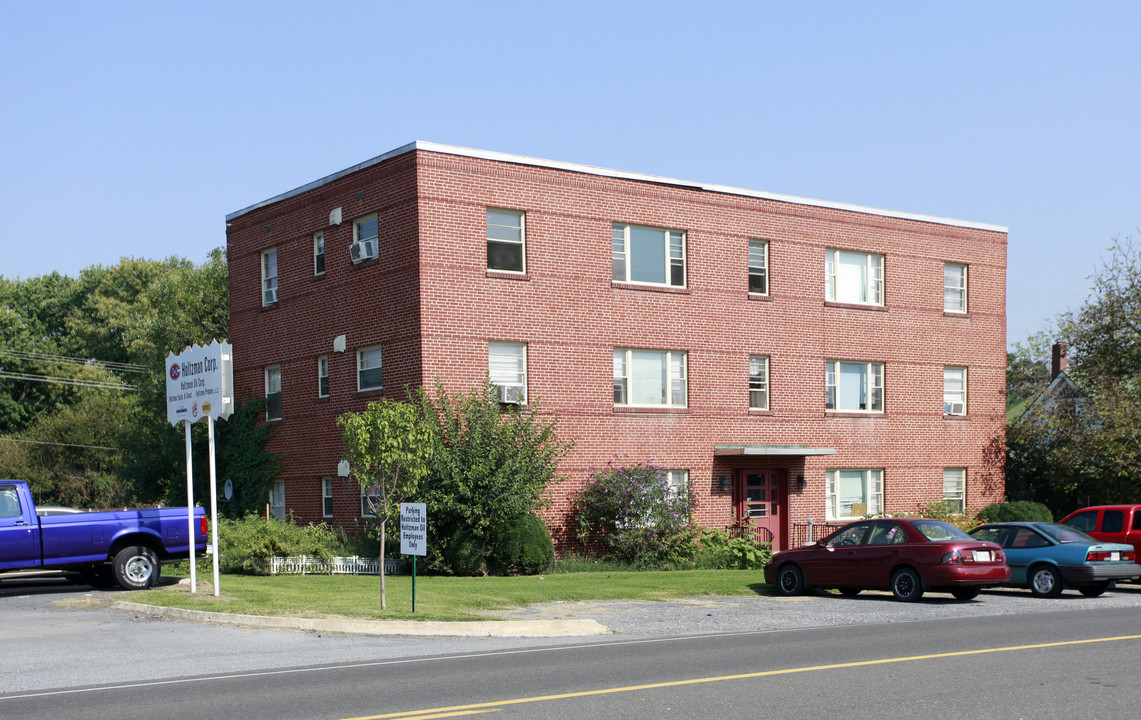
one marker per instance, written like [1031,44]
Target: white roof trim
[605,172]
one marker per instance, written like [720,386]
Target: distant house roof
[1060,388]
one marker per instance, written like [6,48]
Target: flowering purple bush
[631,514]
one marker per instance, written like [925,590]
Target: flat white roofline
[605,172]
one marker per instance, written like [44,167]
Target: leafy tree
[489,465]
[1073,451]
[245,459]
[388,447]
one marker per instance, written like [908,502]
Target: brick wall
[431,304]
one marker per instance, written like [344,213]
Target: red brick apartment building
[791,359]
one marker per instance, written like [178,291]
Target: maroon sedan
[905,555]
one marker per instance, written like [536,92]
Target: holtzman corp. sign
[199,383]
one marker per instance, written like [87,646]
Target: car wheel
[136,567]
[1045,581]
[906,585]
[849,592]
[965,593]
[1094,590]
[790,581]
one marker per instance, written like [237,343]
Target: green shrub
[717,550]
[246,545]
[1022,510]
[632,515]
[463,554]
[523,547]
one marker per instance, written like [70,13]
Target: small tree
[388,448]
[631,514]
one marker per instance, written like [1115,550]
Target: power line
[44,442]
[68,360]
[67,381]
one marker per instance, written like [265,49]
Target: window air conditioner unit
[365,250]
[953,408]
[270,296]
[512,394]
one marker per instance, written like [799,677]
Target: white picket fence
[305,565]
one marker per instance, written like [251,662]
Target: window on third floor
[269,276]
[759,267]
[853,277]
[648,255]
[319,254]
[954,288]
[506,240]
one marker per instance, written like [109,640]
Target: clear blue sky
[132,128]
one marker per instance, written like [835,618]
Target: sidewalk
[354,626]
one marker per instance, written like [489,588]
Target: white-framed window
[955,488]
[954,288]
[507,369]
[370,501]
[506,240]
[319,253]
[649,378]
[759,267]
[853,386]
[323,376]
[853,277]
[758,382]
[677,481]
[368,368]
[954,391]
[326,497]
[854,493]
[277,499]
[269,276]
[365,238]
[654,256]
[273,392]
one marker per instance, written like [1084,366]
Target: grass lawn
[442,598]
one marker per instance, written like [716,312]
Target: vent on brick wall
[335,217]
[365,250]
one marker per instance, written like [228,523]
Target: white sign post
[413,536]
[199,384]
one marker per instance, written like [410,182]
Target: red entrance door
[760,501]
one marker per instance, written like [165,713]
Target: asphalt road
[768,657]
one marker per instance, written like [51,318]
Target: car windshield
[1065,534]
[937,530]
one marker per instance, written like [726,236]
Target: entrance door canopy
[786,450]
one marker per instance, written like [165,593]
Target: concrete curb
[353,626]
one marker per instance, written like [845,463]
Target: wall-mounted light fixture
[723,479]
[801,483]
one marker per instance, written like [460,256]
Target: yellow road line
[488,706]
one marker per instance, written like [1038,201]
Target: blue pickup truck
[126,547]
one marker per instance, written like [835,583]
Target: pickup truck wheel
[137,567]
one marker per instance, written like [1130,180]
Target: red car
[905,555]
